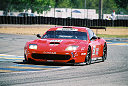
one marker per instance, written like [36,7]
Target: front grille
[51,56]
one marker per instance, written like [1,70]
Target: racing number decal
[95,50]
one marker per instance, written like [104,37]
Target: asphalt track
[112,72]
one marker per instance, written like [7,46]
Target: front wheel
[88,57]
[25,57]
[104,53]
[26,60]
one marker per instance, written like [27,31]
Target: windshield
[66,35]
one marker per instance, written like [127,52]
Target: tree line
[120,6]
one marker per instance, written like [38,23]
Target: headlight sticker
[70,48]
[32,46]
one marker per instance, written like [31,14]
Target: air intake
[67,27]
[54,43]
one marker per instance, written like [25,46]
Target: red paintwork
[44,47]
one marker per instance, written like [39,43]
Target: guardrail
[62,21]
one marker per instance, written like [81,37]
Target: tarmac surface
[112,72]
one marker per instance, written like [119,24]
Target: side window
[94,34]
[91,34]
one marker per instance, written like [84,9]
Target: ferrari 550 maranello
[66,45]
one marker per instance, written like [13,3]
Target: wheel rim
[104,53]
[88,57]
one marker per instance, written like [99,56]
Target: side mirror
[98,37]
[38,35]
[93,38]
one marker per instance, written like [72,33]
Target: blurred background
[65,12]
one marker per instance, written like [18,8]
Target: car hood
[57,44]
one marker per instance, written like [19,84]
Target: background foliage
[120,6]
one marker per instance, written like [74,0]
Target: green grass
[112,36]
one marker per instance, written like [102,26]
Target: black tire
[88,56]
[25,59]
[104,57]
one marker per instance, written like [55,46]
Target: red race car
[66,45]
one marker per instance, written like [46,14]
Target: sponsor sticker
[49,52]
[67,29]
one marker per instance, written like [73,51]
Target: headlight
[69,48]
[32,46]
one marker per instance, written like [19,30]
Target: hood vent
[54,43]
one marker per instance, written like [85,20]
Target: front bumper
[61,57]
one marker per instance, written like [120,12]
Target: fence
[61,21]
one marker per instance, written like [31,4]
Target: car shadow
[54,63]
[45,63]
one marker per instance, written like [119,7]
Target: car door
[94,42]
